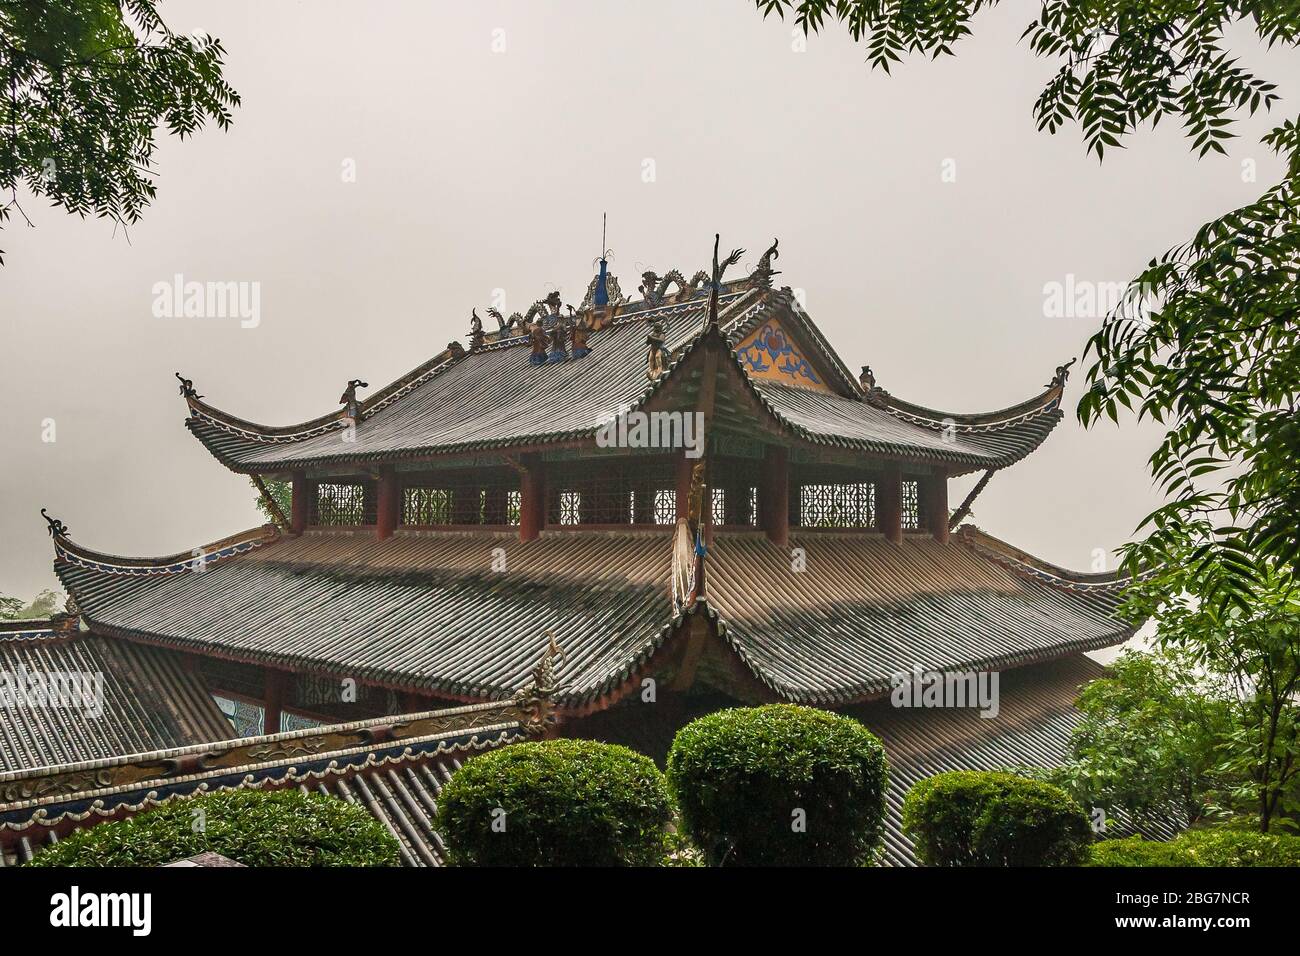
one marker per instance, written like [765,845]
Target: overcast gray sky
[921,214]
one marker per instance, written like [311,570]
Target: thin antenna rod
[602,235]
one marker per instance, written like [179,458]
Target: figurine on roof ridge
[349,401]
[475,331]
[57,528]
[764,272]
[1062,375]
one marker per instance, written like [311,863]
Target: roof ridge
[1037,568]
[198,558]
[449,357]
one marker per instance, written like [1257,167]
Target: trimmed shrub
[556,803]
[1211,847]
[780,785]
[253,827]
[974,818]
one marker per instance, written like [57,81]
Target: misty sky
[479,169]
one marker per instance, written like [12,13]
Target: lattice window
[911,506]
[343,503]
[665,506]
[488,496]
[719,496]
[838,505]
[426,506]
[610,492]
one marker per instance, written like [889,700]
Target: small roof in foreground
[135,698]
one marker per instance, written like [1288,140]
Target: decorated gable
[769,353]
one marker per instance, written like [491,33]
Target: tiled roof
[853,423]
[149,700]
[491,398]
[1032,729]
[424,610]
[865,609]
[393,766]
[396,767]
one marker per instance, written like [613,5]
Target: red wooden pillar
[889,503]
[935,505]
[532,497]
[775,506]
[301,489]
[388,509]
[273,701]
[683,483]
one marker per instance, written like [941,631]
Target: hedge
[1211,847]
[779,785]
[556,803]
[253,827]
[975,818]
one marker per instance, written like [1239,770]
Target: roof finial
[187,387]
[57,528]
[763,272]
[718,269]
[475,331]
[1062,375]
[351,406]
[657,355]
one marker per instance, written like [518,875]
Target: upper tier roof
[492,397]
[423,610]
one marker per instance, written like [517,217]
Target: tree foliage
[84,86]
[984,818]
[42,606]
[1149,741]
[1208,343]
[780,785]
[252,827]
[1252,654]
[281,492]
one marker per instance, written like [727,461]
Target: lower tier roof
[460,614]
[397,766]
[129,698]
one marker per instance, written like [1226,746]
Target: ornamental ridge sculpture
[351,406]
[475,331]
[655,289]
[657,355]
[1062,375]
[187,387]
[57,528]
[764,272]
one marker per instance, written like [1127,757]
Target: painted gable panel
[769,353]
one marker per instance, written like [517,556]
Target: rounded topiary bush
[253,827]
[1211,847]
[556,803]
[780,785]
[971,818]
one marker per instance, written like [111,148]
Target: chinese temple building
[689,492]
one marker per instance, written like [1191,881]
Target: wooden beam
[532,497]
[301,489]
[889,503]
[775,502]
[683,482]
[273,701]
[934,505]
[388,508]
